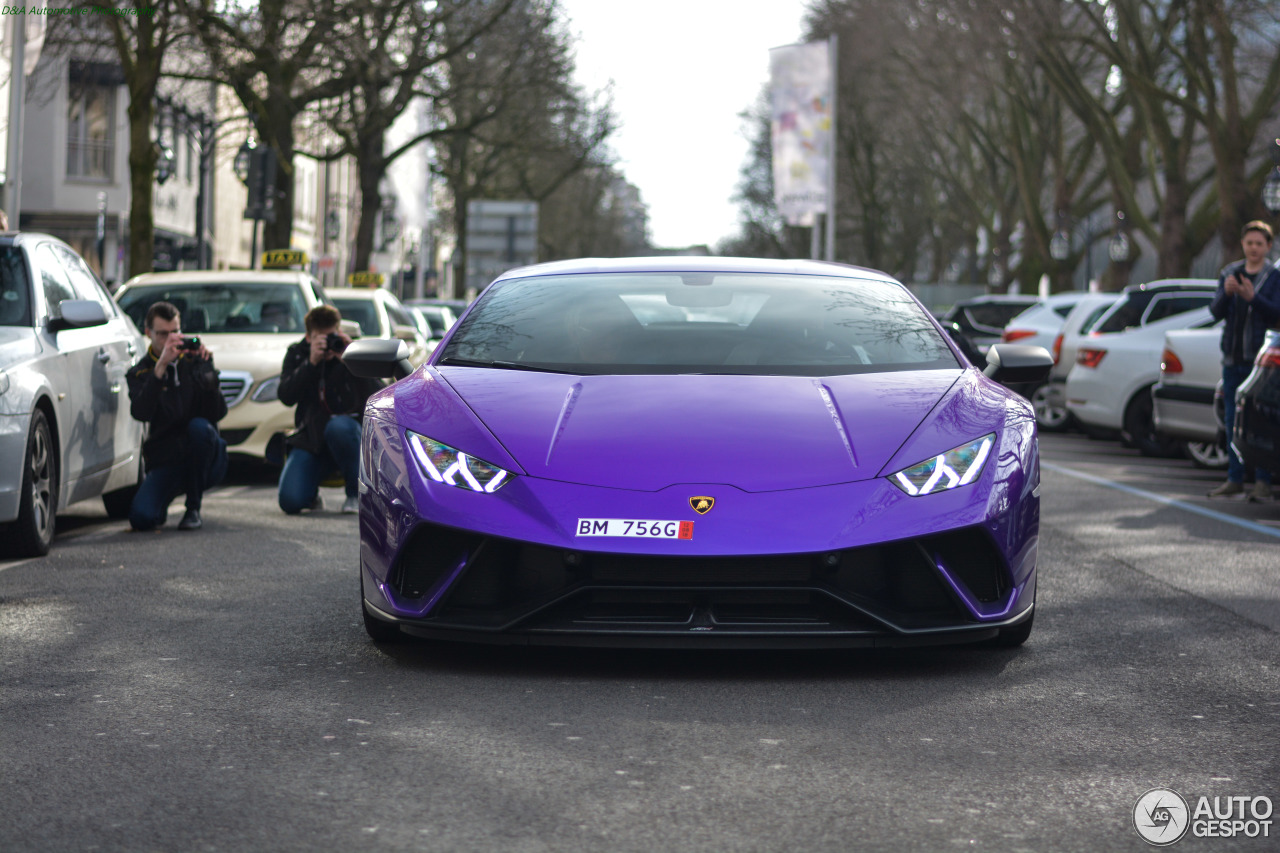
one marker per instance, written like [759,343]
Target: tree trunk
[371,167]
[276,130]
[142,169]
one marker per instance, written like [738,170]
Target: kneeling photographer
[330,401]
[174,390]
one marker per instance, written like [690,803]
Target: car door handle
[104,356]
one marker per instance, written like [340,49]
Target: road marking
[1161,499]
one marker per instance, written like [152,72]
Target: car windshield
[223,308]
[669,323]
[15,288]
[362,311]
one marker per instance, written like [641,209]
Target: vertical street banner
[800,96]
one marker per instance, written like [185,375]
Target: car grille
[235,385]
[498,583]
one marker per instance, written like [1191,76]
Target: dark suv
[981,319]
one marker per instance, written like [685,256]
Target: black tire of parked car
[1140,428]
[1211,455]
[1049,417]
[31,534]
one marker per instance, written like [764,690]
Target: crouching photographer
[330,401]
[174,390]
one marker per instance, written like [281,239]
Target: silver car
[65,429]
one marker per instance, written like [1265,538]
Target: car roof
[692,263]
[165,279]
[1174,284]
[997,298]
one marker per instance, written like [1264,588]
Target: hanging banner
[800,95]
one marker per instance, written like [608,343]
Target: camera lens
[335,343]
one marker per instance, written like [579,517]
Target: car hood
[757,433]
[260,353]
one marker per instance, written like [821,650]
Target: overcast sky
[682,71]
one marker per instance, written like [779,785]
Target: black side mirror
[1014,363]
[378,358]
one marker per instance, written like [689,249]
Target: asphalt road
[216,691]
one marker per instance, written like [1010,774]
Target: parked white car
[65,430]
[1109,387]
[381,315]
[1080,321]
[1039,326]
[1183,398]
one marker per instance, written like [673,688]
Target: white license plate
[635,528]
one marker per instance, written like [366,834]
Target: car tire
[1049,417]
[378,631]
[1015,635]
[1140,428]
[119,502]
[31,534]
[1210,455]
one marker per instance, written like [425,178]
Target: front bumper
[249,427]
[13,461]
[857,564]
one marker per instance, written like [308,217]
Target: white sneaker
[317,505]
[351,505]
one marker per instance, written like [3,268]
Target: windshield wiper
[453,361]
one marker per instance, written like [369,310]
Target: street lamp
[390,225]
[164,152]
[1060,242]
[1120,246]
[1271,189]
[243,159]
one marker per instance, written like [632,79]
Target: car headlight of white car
[267,392]
[957,467]
[448,465]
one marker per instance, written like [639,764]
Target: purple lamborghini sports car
[699,452]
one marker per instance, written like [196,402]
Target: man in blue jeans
[330,402]
[1248,301]
[174,390]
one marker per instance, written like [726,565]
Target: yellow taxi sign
[366,279]
[283,259]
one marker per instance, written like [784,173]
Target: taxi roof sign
[366,279]
[283,259]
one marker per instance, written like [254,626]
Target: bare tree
[275,56]
[513,125]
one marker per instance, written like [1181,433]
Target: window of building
[90,131]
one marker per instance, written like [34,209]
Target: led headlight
[957,467]
[268,391]
[451,466]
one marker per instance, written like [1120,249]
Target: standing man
[1248,299]
[330,402]
[174,390]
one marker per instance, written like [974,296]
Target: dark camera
[335,342]
[191,344]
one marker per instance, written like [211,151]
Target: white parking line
[1161,499]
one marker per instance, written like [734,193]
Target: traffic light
[261,184]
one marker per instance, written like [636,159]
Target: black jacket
[303,383]
[1246,324]
[188,390]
